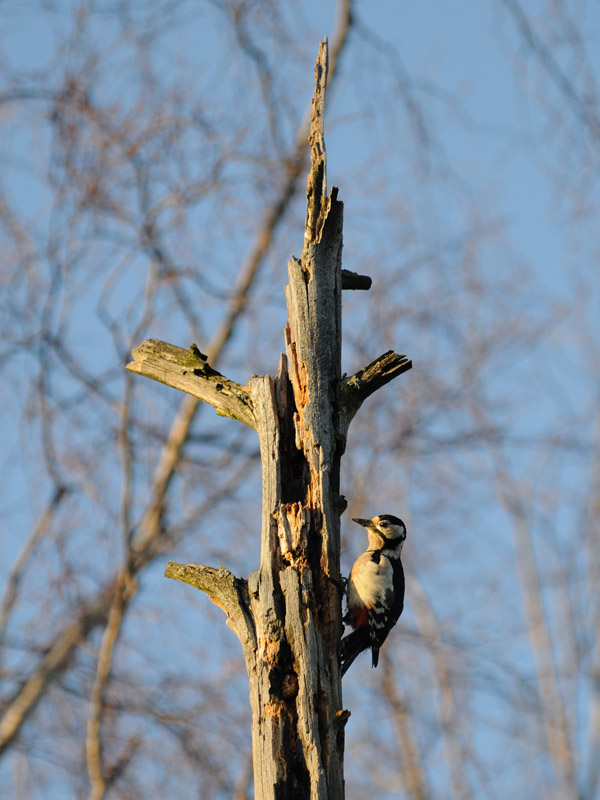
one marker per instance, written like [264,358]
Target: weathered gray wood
[295,694]
[279,770]
[309,518]
[189,371]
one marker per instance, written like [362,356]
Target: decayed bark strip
[189,371]
[317,205]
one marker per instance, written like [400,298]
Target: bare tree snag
[288,615]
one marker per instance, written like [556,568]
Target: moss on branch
[189,371]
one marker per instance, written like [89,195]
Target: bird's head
[384,530]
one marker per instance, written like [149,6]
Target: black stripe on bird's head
[389,528]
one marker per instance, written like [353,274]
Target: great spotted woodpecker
[375,589]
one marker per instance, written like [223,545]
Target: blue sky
[440,115]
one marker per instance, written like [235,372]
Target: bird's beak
[364,522]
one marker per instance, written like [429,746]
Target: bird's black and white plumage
[375,589]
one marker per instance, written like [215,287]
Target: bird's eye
[384,524]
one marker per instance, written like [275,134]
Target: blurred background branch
[151,186]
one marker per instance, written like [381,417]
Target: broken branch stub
[353,391]
[352,280]
[224,590]
[189,371]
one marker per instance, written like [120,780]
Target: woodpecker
[375,589]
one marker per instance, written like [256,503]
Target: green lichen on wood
[189,371]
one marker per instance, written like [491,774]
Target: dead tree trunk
[288,614]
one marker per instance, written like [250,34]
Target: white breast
[369,581]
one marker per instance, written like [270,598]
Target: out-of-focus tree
[152,158]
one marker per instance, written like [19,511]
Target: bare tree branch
[16,573]
[93,745]
[414,773]
[224,590]
[552,67]
[189,371]
[429,629]
[354,391]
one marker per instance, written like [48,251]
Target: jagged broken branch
[353,391]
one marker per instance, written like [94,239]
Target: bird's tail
[352,645]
